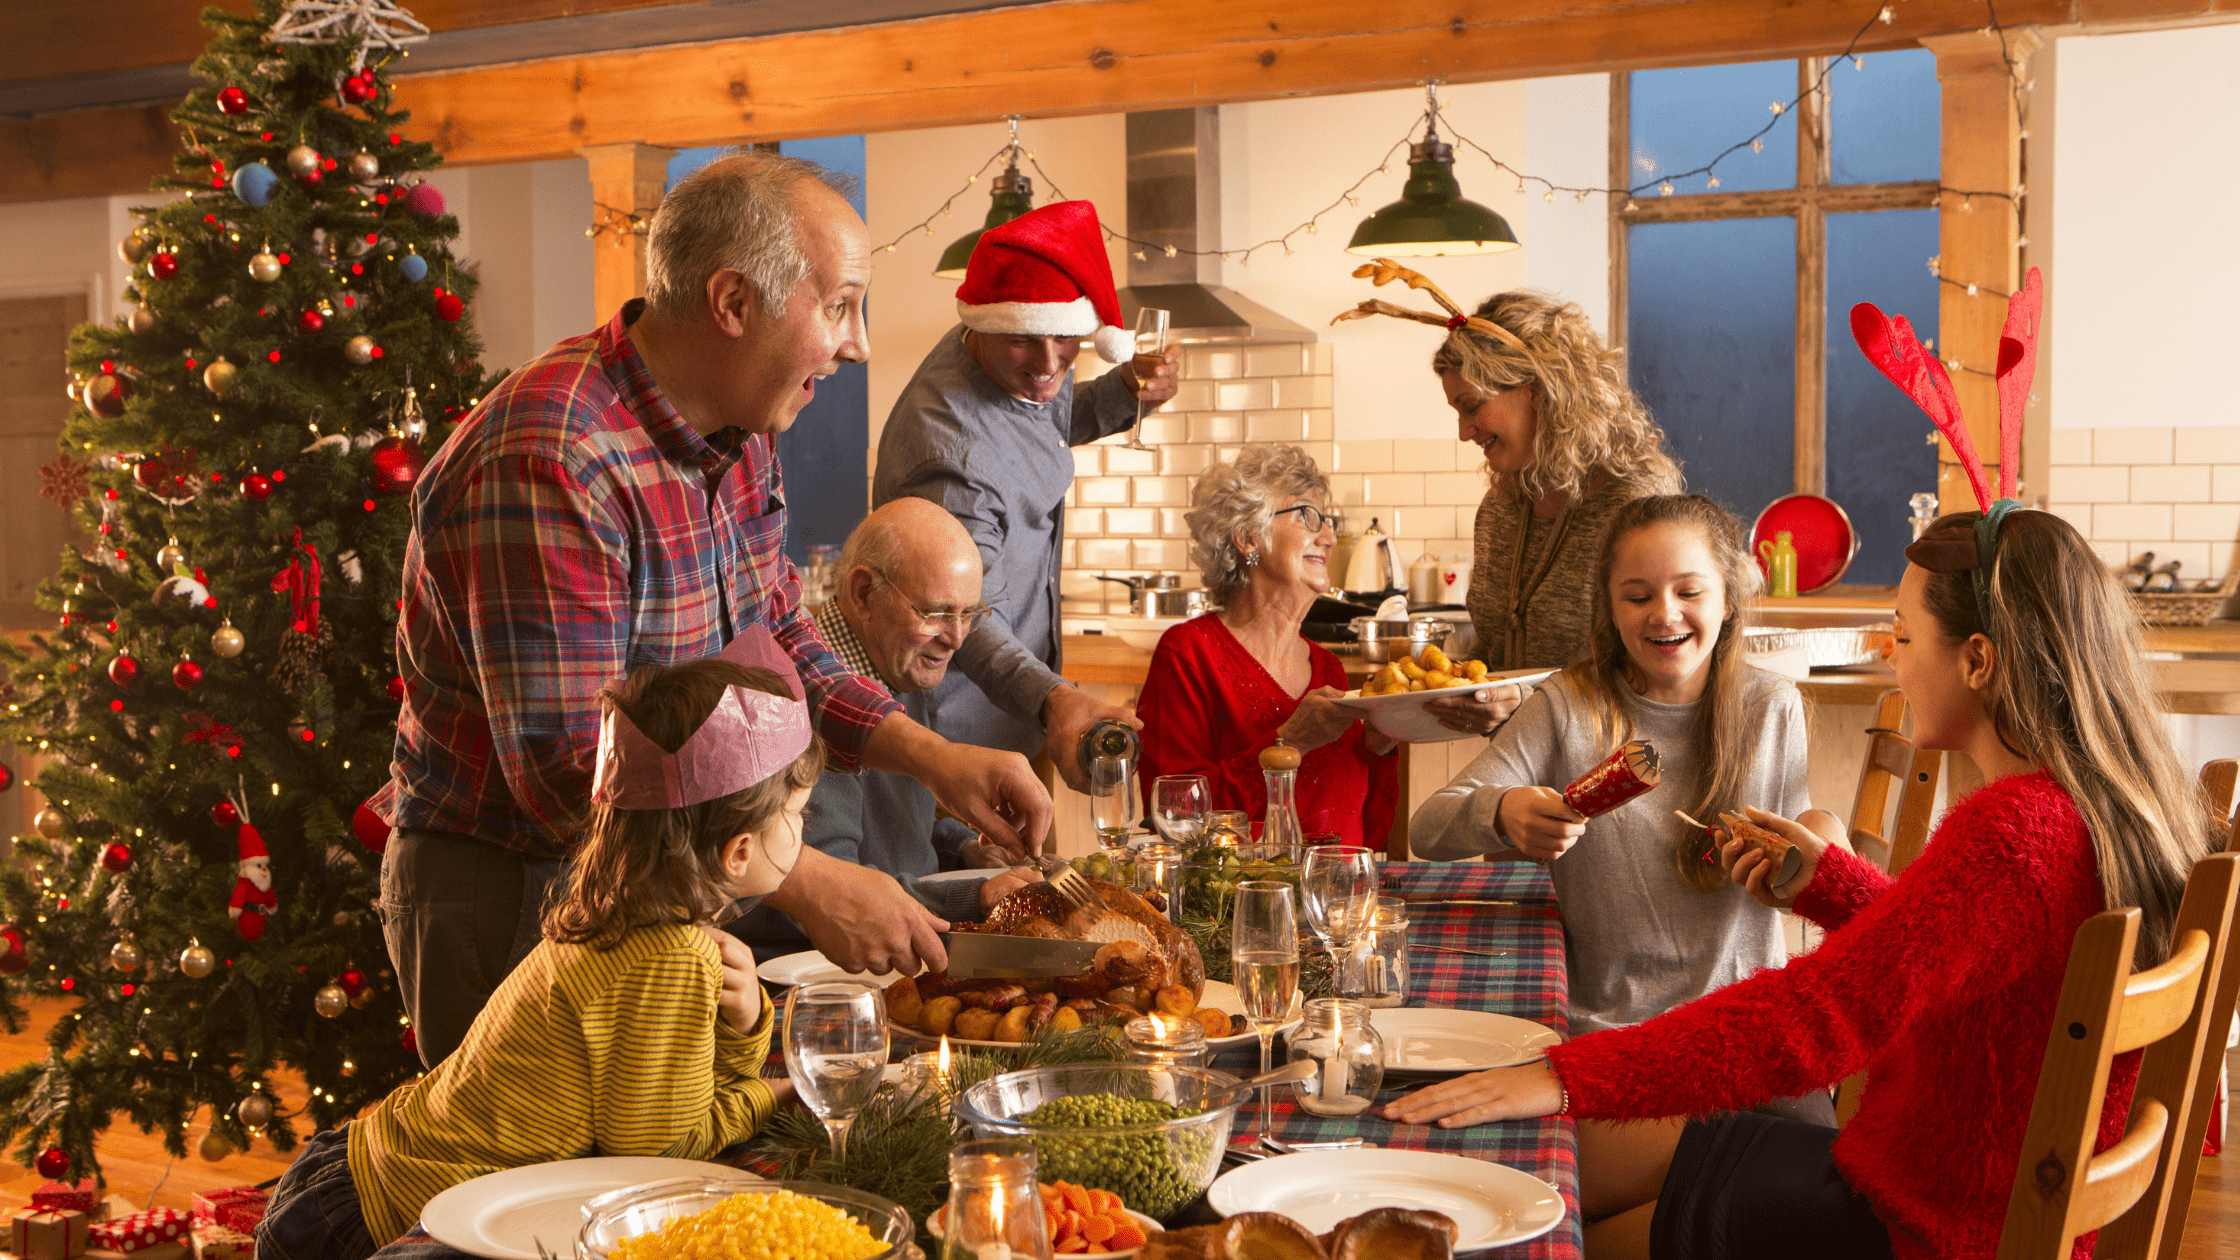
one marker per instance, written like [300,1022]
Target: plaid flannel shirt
[572,529]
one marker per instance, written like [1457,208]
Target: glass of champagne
[1338,889]
[1151,339]
[836,1050]
[1113,807]
[1178,808]
[1264,957]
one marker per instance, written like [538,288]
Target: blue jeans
[314,1213]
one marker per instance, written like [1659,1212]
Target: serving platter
[1492,1205]
[1219,994]
[1402,716]
[505,1215]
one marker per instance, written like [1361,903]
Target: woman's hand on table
[1538,824]
[1318,720]
[1479,712]
[1811,834]
[1507,1093]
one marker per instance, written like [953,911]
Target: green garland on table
[1212,939]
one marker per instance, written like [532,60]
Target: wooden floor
[139,1169]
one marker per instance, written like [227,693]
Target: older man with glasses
[906,598]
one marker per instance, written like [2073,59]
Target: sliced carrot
[1097,1228]
[1049,1193]
[1071,1245]
[1078,1198]
[1099,1249]
[1107,1202]
[1127,1234]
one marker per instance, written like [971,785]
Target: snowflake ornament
[376,24]
[64,481]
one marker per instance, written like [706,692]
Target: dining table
[1482,936]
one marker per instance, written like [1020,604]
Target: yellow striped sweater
[580,1052]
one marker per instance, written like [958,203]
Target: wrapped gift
[34,1234]
[174,1250]
[238,1208]
[61,1196]
[142,1230]
[212,1241]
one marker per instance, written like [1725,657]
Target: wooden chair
[2219,778]
[2137,1191]
[1893,764]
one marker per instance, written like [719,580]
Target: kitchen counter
[2184,686]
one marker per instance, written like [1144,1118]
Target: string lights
[621,224]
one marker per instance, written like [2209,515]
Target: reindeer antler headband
[1382,271]
[1891,345]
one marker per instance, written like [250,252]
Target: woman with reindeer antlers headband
[1566,443]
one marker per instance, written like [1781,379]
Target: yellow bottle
[1780,556]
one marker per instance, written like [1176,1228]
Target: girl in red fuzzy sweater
[1941,983]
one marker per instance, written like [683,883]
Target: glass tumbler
[1386,959]
[1162,1041]
[1159,870]
[995,1209]
[1348,1055]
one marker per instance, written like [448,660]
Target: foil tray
[1825,647]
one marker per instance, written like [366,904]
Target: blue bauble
[413,268]
[254,183]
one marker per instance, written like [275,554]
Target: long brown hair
[2070,691]
[1724,733]
[643,866]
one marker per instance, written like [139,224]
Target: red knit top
[1208,707]
[1941,984]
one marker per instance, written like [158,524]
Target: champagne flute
[1178,807]
[1264,957]
[836,1050]
[1151,338]
[1338,889]
[1113,807]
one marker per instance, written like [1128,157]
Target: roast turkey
[1168,954]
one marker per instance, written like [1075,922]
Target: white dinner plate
[1492,1205]
[504,1215]
[938,1226]
[1218,994]
[811,967]
[1421,1039]
[1401,715]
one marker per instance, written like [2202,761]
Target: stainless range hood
[1174,200]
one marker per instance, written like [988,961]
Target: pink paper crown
[750,736]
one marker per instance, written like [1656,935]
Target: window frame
[1810,203]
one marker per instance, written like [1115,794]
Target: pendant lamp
[1432,216]
[1013,195]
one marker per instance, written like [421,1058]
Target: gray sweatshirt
[1640,939]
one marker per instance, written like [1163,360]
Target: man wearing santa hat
[983,429]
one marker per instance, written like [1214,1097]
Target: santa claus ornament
[253,898]
[1045,274]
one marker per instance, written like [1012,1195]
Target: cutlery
[991,956]
[1456,901]
[1281,1147]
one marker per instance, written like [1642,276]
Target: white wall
[2144,243]
[57,247]
[521,228]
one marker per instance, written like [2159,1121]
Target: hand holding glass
[836,1050]
[1151,339]
[1264,956]
[1338,884]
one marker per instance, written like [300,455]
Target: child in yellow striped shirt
[633,1028]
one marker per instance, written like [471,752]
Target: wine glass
[836,1050]
[1264,957]
[1151,338]
[1178,807]
[1338,889]
[1113,807]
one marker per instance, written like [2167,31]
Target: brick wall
[2174,492]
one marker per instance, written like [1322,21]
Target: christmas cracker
[1629,772]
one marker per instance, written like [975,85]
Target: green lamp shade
[1432,217]
[1014,196]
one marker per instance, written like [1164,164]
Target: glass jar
[1348,1055]
[1386,955]
[1230,827]
[995,1209]
[1164,1042]
[1159,870]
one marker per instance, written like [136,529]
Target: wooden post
[1978,236]
[626,180]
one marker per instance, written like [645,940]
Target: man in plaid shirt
[618,503]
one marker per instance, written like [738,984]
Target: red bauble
[186,675]
[396,693]
[351,981]
[360,87]
[15,950]
[115,858]
[225,815]
[7,778]
[397,462]
[163,266]
[410,1041]
[425,200]
[311,320]
[232,100]
[105,395]
[122,670]
[370,830]
[257,486]
[53,1164]
[448,307]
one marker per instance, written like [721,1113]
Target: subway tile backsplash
[2174,492]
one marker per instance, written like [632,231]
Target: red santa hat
[1045,274]
[250,843]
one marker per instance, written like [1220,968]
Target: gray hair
[740,212]
[1242,498]
[875,544]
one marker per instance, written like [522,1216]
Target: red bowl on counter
[1818,529]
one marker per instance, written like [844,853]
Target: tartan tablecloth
[1528,983]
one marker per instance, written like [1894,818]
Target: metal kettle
[1375,565]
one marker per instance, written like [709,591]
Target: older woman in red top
[1225,685]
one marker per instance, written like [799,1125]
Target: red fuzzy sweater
[1941,984]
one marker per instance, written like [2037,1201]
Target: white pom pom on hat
[1045,274]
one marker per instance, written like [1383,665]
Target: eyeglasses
[1315,518]
[961,621]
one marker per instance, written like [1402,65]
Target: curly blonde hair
[1587,419]
[1242,497]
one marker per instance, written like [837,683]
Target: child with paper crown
[634,1027]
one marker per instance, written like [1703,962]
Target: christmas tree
[219,697]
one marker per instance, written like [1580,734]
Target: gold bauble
[364,168]
[358,349]
[220,375]
[125,956]
[227,641]
[255,1112]
[142,321]
[134,247]
[363,1000]
[196,961]
[50,822]
[303,160]
[215,1147]
[264,267]
[330,1000]
[170,555]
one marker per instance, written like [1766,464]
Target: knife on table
[988,956]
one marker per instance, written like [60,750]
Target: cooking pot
[1391,638]
[1161,595]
